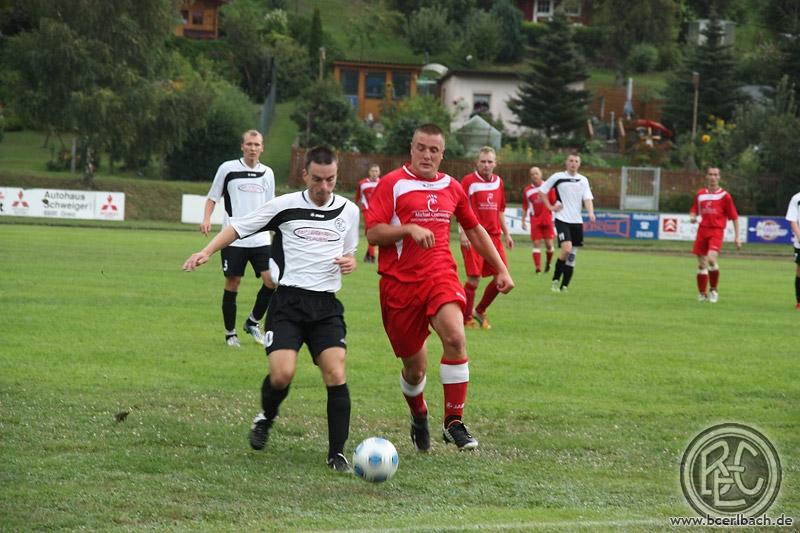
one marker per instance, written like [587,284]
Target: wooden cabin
[200,19]
[368,84]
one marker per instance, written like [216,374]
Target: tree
[400,121]
[315,41]
[324,116]
[216,137]
[101,72]
[429,31]
[510,18]
[769,131]
[718,94]
[782,16]
[244,27]
[481,38]
[371,22]
[545,100]
[626,24]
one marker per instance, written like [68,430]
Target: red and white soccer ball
[375,460]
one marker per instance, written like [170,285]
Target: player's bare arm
[736,241]
[385,234]
[590,208]
[220,241]
[546,201]
[506,232]
[462,237]
[205,226]
[483,245]
[347,263]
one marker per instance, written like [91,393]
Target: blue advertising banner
[609,225]
[644,225]
[769,229]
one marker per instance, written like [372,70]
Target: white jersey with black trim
[307,238]
[243,190]
[571,191]
[793,215]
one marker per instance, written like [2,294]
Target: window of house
[374,83]
[481,103]
[197,18]
[544,7]
[402,85]
[349,82]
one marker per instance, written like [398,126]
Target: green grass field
[583,403]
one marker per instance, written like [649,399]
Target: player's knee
[454,341]
[413,375]
[232,284]
[571,258]
[281,378]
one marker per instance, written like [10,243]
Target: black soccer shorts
[569,232]
[296,316]
[235,259]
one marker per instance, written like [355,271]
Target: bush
[428,30]
[675,203]
[534,32]
[482,38]
[399,123]
[218,139]
[589,40]
[643,57]
[324,116]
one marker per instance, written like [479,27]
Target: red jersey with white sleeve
[402,197]
[487,199]
[539,214]
[715,208]
[364,192]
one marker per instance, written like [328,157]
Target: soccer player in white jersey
[316,234]
[793,216]
[244,185]
[572,191]
[715,207]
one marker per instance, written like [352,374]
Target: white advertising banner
[58,203]
[514,221]
[678,227]
[192,209]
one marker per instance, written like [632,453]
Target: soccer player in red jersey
[363,193]
[541,219]
[409,218]
[488,201]
[715,207]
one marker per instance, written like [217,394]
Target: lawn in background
[583,402]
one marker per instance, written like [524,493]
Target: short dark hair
[429,129]
[321,155]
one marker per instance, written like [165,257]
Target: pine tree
[718,93]
[545,101]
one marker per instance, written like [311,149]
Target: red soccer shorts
[542,231]
[708,240]
[407,308]
[474,263]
